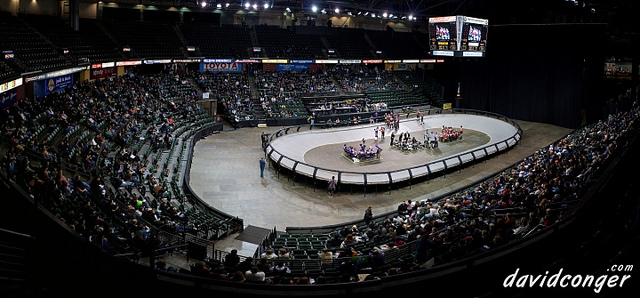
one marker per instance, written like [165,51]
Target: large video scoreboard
[458,36]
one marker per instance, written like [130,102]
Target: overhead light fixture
[314,8]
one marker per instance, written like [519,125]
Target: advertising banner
[99,73]
[292,67]
[59,83]
[221,67]
[8,98]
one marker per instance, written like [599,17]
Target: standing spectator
[232,259]
[393,135]
[368,215]
[263,164]
[264,139]
[332,185]
[312,120]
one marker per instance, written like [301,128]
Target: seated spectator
[326,256]
[283,253]
[348,241]
[238,277]
[268,254]
[254,275]
[280,268]
[245,265]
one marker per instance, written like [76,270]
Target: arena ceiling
[508,10]
[618,12]
[619,15]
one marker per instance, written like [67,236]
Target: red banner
[99,73]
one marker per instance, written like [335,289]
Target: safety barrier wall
[502,143]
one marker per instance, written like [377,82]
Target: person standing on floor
[263,164]
[332,185]
[312,120]
[368,216]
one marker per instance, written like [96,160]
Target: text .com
[616,277]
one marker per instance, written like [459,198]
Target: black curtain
[540,73]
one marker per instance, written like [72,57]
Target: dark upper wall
[541,73]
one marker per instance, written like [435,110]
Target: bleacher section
[399,45]
[349,43]
[133,164]
[148,40]
[425,88]
[277,42]
[87,42]
[32,51]
[226,41]
[394,98]
[6,71]
[109,163]
[233,92]
[38,42]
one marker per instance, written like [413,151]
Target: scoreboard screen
[458,36]
[443,34]
[474,35]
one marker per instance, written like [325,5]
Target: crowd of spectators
[357,78]
[280,92]
[295,83]
[118,112]
[232,91]
[327,106]
[533,194]
[83,189]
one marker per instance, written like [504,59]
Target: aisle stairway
[255,100]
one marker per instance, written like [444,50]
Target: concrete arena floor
[225,174]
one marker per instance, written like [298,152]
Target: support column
[74,14]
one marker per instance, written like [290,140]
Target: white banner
[221,67]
